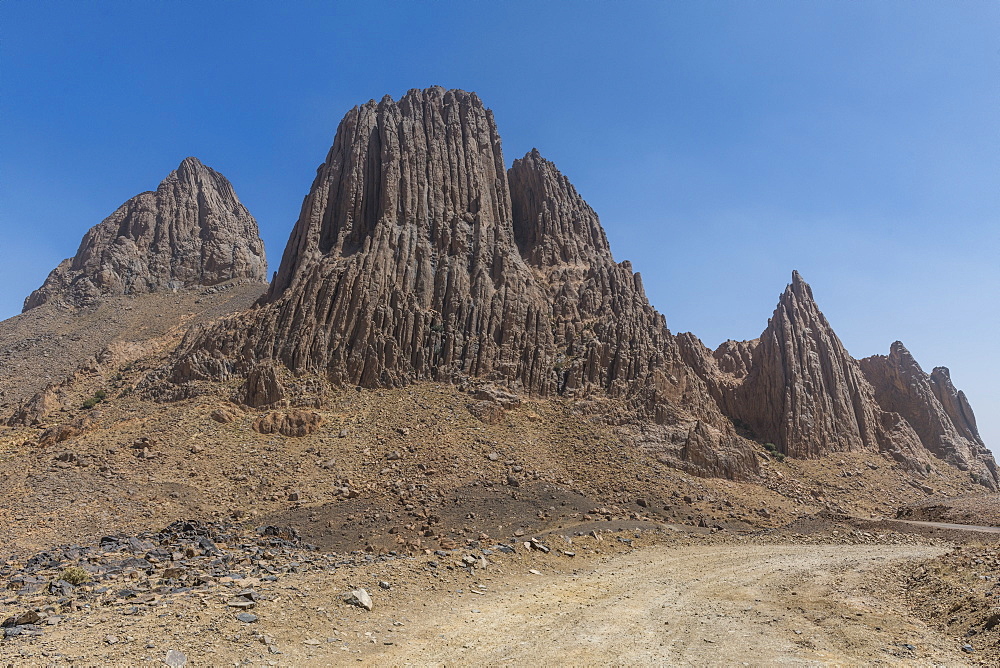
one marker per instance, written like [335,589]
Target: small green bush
[98,397]
[770,447]
[74,575]
[780,456]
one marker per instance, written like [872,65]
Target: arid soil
[967,509]
[378,484]
[617,597]
[47,344]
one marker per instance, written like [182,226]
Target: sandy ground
[713,605]
[702,604]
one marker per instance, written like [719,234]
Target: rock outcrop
[798,388]
[804,392]
[939,414]
[402,265]
[192,231]
[416,256]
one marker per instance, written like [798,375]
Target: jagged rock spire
[402,264]
[414,258]
[805,393]
[192,231]
[939,414]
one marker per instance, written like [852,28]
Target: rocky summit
[417,256]
[192,231]
[452,399]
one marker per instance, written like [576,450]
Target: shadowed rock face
[192,231]
[939,414]
[417,256]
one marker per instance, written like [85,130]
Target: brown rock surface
[412,259]
[262,387]
[417,257]
[292,423]
[797,387]
[402,264]
[192,231]
[939,414]
[804,392]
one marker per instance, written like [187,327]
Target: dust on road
[701,606]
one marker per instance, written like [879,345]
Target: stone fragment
[359,598]
[222,416]
[294,423]
[175,659]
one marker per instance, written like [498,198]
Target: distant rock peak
[191,231]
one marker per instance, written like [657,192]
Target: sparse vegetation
[773,450]
[98,397]
[74,575]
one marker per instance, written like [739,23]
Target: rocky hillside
[416,256]
[191,232]
[187,253]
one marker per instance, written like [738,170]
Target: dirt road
[711,605]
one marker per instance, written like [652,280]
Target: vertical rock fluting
[797,387]
[402,265]
[804,392]
[413,258]
[416,255]
[606,333]
[939,414]
[607,337]
[192,231]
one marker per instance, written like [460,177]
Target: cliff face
[939,414]
[804,392]
[192,231]
[417,256]
[402,265]
[797,387]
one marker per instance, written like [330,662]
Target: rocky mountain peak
[402,264]
[805,393]
[191,231]
[939,414]
[417,255]
[553,225]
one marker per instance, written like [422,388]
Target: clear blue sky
[722,143]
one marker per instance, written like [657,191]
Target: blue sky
[723,143]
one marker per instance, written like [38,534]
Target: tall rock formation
[414,257]
[417,256]
[402,264]
[804,392]
[605,331]
[939,414]
[192,231]
[797,387]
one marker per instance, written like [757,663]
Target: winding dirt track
[701,606]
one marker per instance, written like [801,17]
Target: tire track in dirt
[701,606]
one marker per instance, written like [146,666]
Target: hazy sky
[723,143]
